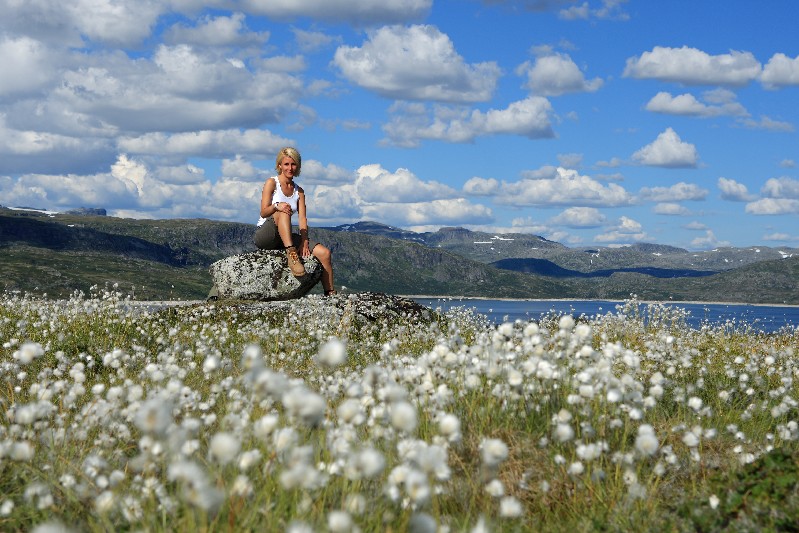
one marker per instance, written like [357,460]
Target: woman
[280,199]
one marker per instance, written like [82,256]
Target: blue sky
[599,122]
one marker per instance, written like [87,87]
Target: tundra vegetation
[320,415]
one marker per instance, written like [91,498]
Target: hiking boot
[296,266]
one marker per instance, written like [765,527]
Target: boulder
[262,275]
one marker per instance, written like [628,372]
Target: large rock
[262,275]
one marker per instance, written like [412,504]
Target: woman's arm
[267,209]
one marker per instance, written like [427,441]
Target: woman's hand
[283,207]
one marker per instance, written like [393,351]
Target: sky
[588,122]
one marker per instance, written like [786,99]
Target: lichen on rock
[263,275]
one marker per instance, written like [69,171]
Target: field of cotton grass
[355,413]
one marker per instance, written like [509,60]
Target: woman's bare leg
[283,223]
[323,255]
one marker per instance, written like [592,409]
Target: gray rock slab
[263,275]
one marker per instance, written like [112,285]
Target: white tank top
[278,196]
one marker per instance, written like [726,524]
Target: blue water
[759,317]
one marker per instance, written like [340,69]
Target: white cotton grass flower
[340,522]
[332,354]
[493,452]
[154,416]
[510,507]
[646,443]
[450,427]
[422,523]
[104,502]
[714,501]
[28,352]
[495,488]
[404,417]
[224,447]
[564,432]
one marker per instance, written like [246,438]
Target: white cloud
[570,160]
[117,22]
[708,241]
[669,151]
[688,105]
[315,172]
[780,71]
[695,226]
[239,168]
[579,217]
[477,186]
[311,41]
[693,67]
[411,123]
[671,209]
[766,123]
[416,63]
[216,31]
[783,187]
[610,9]
[733,190]
[567,188]
[780,237]
[360,12]
[376,184]
[773,206]
[333,203]
[627,230]
[28,66]
[556,74]
[676,193]
[455,211]
[180,175]
[221,143]
[788,163]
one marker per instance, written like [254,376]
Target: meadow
[334,415]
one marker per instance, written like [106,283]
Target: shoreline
[667,302]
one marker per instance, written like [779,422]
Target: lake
[766,318]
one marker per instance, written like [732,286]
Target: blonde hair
[288,151]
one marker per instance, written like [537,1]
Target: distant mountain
[59,253]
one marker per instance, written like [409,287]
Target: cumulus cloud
[239,168]
[315,172]
[671,209]
[676,193]
[28,66]
[477,186]
[733,190]
[416,63]
[454,211]
[626,230]
[783,187]
[773,206]
[669,151]
[766,123]
[216,31]
[609,9]
[116,22]
[579,217]
[333,203]
[780,71]
[221,143]
[708,241]
[361,12]
[694,67]
[556,74]
[688,105]
[376,184]
[412,123]
[568,187]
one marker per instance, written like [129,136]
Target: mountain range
[58,253]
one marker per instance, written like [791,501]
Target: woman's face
[288,167]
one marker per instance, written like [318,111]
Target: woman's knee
[321,252]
